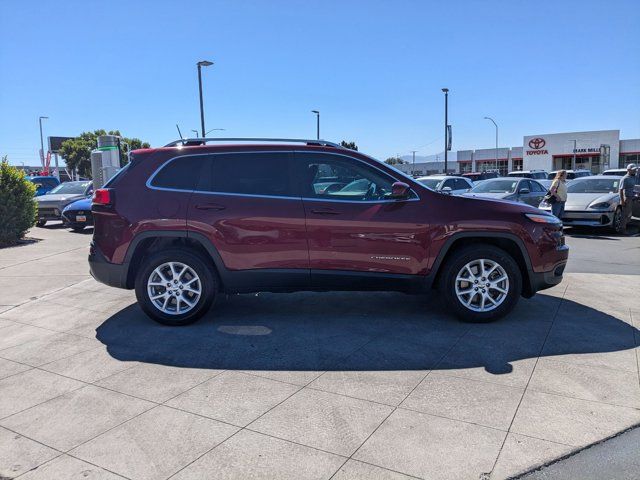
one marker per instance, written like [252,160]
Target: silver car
[446,183]
[523,190]
[51,204]
[595,202]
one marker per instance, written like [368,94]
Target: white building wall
[562,144]
[630,146]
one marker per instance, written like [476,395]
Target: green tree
[77,151]
[394,161]
[18,209]
[349,145]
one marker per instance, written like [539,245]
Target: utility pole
[446,127]
[573,159]
[413,169]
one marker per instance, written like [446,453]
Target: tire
[41,223]
[616,224]
[78,228]
[473,256]
[196,267]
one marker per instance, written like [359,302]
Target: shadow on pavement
[361,331]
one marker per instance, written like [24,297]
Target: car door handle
[210,206]
[325,211]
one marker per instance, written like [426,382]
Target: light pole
[496,125]
[317,123]
[222,129]
[413,168]
[446,127]
[202,63]
[41,140]
[196,132]
[573,159]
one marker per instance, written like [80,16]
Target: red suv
[183,223]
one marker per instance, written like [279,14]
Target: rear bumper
[112,274]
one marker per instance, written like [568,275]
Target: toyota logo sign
[537,143]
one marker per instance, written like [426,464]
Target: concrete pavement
[304,385]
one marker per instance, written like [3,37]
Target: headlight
[601,206]
[548,219]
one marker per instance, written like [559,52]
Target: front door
[352,224]
[245,205]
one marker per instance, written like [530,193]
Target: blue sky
[374,69]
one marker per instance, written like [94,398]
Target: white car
[446,184]
[595,202]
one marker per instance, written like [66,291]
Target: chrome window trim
[251,195]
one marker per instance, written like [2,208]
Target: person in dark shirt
[627,185]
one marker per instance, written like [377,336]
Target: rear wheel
[78,228]
[481,283]
[41,223]
[175,287]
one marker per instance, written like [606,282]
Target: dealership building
[595,151]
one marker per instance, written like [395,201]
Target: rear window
[259,173]
[181,173]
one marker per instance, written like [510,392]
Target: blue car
[77,215]
[43,184]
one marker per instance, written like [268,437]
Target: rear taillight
[103,196]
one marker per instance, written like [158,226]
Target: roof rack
[203,141]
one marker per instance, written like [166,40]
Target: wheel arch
[152,241]
[510,243]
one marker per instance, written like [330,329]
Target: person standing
[627,184]
[559,191]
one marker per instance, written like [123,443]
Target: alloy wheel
[174,288]
[482,285]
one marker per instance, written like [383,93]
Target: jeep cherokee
[183,223]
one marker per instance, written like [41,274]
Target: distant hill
[439,157]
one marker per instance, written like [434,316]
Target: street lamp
[203,63]
[221,129]
[446,127]
[317,123]
[496,125]
[196,132]
[41,140]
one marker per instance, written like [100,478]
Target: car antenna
[179,132]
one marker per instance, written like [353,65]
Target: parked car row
[69,202]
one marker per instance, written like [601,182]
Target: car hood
[581,201]
[82,204]
[57,199]
[501,195]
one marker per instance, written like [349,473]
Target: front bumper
[112,274]
[588,219]
[49,213]
[543,280]
[70,217]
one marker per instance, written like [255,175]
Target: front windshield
[71,188]
[495,186]
[431,183]
[594,185]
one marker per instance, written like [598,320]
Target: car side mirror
[524,191]
[447,190]
[400,190]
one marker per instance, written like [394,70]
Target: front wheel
[481,283]
[617,221]
[175,287]
[41,223]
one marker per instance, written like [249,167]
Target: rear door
[246,206]
[358,228]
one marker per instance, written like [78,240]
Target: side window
[451,183]
[181,173]
[524,184]
[249,174]
[536,187]
[461,184]
[334,177]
